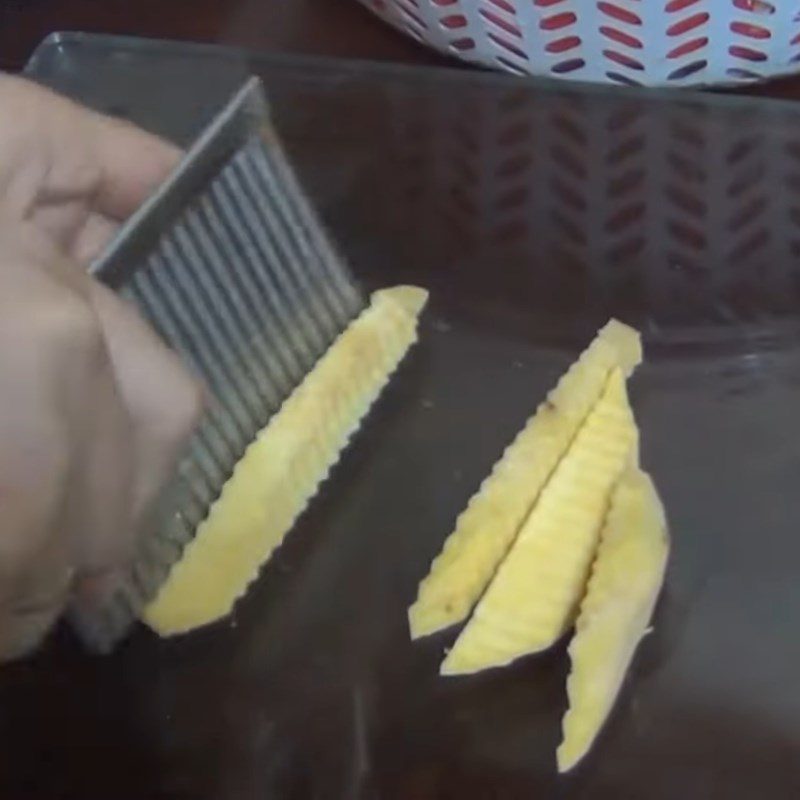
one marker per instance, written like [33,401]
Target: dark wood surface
[321,27]
[318,27]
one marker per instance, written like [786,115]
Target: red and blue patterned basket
[635,42]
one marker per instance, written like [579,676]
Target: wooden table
[319,27]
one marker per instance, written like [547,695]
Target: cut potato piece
[626,579]
[534,596]
[487,527]
[283,467]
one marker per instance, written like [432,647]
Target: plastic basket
[635,42]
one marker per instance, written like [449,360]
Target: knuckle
[44,299]
[72,323]
[59,323]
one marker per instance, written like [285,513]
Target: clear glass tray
[533,212]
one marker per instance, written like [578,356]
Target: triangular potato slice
[626,579]
[535,594]
[486,529]
[281,471]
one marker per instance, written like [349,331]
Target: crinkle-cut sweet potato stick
[282,469]
[534,597]
[488,526]
[615,613]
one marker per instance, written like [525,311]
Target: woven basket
[635,42]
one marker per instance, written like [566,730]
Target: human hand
[72,172]
[93,408]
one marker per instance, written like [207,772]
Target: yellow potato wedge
[282,469]
[486,529]
[535,594]
[626,579]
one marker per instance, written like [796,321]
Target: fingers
[93,409]
[132,164]
[68,151]
[101,492]
[164,404]
[93,238]
[162,399]
[65,439]
[77,375]
[39,596]
[35,572]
